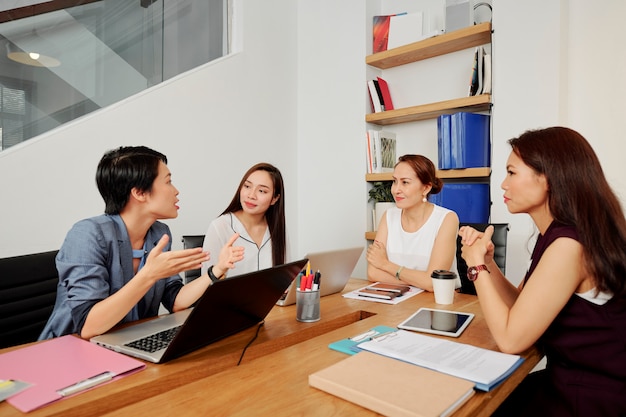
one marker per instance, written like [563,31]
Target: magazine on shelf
[374,97]
[386,95]
[387,150]
[480,81]
[404,29]
[368,153]
[380,32]
[486,74]
[381,151]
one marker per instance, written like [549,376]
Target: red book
[384,90]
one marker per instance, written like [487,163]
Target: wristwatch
[212,275]
[473,271]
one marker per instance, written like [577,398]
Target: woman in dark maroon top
[572,302]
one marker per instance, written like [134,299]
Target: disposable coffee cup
[443,286]
[307,305]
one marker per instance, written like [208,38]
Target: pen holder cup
[307,305]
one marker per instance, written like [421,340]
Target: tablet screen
[447,323]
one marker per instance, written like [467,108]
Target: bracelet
[398,273]
[212,275]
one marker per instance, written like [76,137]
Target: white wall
[556,63]
[331,94]
[526,94]
[212,123]
[295,97]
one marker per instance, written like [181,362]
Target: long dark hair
[275,214]
[425,171]
[580,196]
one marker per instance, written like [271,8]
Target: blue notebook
[349,345]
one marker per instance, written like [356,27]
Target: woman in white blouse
[257,214]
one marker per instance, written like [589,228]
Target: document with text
[486,368]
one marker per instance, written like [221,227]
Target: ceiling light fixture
[34,59]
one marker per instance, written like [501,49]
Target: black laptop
[227,307]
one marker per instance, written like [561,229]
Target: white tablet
[443,322]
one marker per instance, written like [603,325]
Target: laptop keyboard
[156,341]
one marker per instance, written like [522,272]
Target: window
[59,63]
[14,96]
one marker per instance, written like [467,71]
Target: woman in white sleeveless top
[415,237]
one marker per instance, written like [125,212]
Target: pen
[6,383]
[298,278]
[303,281]
[86,383]
[316,280]
[363,336]
[383,336]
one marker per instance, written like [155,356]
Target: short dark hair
[122,169]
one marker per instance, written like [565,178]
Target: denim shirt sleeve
[92,266]
[84,269]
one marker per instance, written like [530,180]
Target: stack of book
[480,81]
[380,97]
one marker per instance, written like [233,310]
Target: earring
[424,199]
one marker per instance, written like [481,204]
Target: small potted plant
[380,194]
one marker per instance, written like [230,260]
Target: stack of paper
[486,368]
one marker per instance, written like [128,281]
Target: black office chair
[192,241]
[28,287]
[499,240]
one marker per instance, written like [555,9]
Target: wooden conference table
[272,378]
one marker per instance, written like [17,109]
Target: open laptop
[226,307]
[336,267]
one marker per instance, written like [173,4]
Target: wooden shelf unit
[441,173]
[458,40]
[430,111]
[431,47]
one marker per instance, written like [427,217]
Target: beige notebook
[392,387]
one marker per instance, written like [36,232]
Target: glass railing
[60,63]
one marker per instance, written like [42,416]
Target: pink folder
[60,363]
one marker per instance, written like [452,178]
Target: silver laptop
[336,268]
[226,307]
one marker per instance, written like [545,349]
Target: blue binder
[463,140]
[443,141]
[470,140]
[471,202]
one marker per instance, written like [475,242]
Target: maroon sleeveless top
[585,347]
